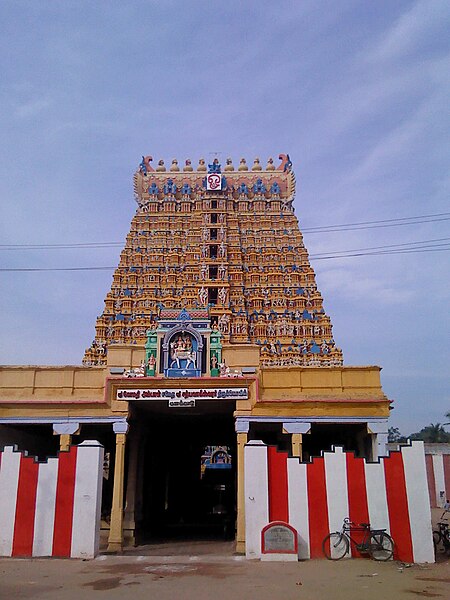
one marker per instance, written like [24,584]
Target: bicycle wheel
[381,546]
[446,541]
[335,546]
[436,539]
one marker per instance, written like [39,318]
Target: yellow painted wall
[241,355]
[124,355]
[339,382]
[38,382]
[291,391]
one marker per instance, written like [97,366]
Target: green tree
[432,433]
[395,436]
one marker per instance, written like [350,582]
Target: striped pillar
[51,508]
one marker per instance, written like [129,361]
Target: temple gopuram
[213,336]
[226,245]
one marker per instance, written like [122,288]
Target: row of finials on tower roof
[146,167]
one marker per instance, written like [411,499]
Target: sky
[357,92]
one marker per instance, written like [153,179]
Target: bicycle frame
[375,542]
[442,533]
[348,526]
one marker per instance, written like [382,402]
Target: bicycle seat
[364,524]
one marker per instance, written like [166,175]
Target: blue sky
[357,92]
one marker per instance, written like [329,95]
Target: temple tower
[226,243]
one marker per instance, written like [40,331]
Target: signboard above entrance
[184,393]
[180,403]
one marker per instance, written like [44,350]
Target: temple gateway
[213,337]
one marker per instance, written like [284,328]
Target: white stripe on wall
[376,495]
[87,500]
[439,478]
[337,491]
[45,508]
[9,480]
[418,502]
[298,504]
[256,496]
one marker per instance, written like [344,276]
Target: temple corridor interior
[178,496]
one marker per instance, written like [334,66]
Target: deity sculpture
[223,295]
[151,363]
[181,349]
[203,296]
[224,323]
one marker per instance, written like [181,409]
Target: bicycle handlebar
[347,521]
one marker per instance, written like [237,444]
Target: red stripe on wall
[317,506]
[358,507]
[25,507]
[431,480]
[65,491]
[278,485]
[397,501]
[446,461]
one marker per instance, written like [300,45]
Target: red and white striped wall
[438,473]
[315,498]
[51,508]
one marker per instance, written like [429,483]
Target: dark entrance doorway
[351,436]
[181,499]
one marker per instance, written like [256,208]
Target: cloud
[349,284]
[404,139]
[32,108]
[413,29]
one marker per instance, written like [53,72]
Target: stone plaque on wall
[279,541]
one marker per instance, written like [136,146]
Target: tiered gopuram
[225,242]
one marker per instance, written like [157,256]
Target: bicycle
[376,542]
[442,534]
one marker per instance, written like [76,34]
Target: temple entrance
[187,473]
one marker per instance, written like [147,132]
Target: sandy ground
[219,577]
[209,570]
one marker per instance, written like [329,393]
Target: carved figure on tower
[223,295]
[203,296]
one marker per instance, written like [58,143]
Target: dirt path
[218,578]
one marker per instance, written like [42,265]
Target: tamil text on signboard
[182,393]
